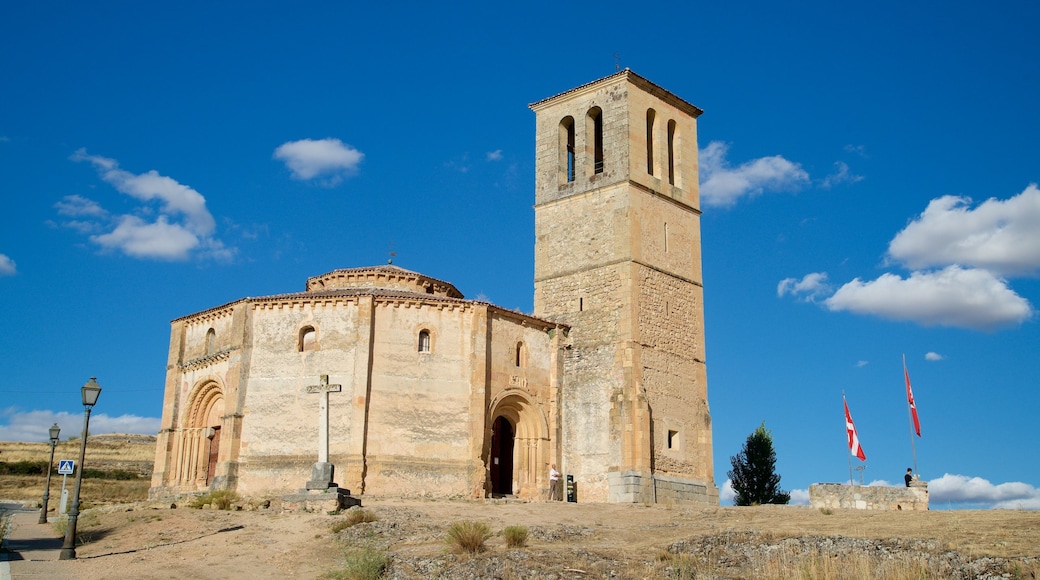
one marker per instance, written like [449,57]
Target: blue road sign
[66,466]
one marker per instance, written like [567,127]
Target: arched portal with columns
[198,441]
[513,415]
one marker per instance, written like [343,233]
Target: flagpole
[910,417]
[849,449]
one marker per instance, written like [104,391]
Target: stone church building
[431,394]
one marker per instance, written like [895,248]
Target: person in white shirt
[554,484]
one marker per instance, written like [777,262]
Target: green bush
[40,468]
[468,536]
[23,468]
[516,536]
[362,564]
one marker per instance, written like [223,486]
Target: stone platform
[328,500]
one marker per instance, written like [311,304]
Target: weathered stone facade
[617,257]
[860,497]
[425,375]
[438,395]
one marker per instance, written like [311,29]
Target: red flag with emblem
[850,428]
[910,400]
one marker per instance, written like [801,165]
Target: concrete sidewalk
[26,541]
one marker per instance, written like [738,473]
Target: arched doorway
[200,436]
[502,439]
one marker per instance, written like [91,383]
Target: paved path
[26,541]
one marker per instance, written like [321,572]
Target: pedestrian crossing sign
[66,466]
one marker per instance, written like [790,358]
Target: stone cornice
[205,361]
[626,74]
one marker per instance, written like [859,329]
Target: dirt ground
[151,540]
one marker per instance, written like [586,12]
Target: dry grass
[104,452]
[100,449]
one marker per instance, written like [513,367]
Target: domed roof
[386,277]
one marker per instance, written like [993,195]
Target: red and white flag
[910,400]
[850,428]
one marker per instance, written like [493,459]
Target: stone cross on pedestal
[323,471]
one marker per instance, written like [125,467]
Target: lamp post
[90,391]
[53,432]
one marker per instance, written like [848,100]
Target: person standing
[554,484]
[909,477]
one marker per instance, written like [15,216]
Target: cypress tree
[754,477]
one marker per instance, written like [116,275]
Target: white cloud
[1002,236]
[495,155]
[857,149]
[726,493]
[175,198]
[75,205]
[183,227]
[141,239]
[7,266]
[32,426]
[799,497]
[862,363]
[933,356]
[962,489]
[808,288]
[722,185]
[950,297]
[310,158]
[841,175]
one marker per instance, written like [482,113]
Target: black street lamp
[53,432]
[90,391]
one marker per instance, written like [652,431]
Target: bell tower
[618,258]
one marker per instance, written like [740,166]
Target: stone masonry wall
[838,496]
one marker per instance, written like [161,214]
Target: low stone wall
[859,497]
[637,487]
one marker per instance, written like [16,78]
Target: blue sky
[868,188]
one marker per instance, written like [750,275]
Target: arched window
[308,339]
[650,116]
[211,341]
[520,354]
[594,139]
[567,150]
[671,152]
[424,340]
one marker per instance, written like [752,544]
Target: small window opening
[308,339]
[211,341]
[594,138]
[567,150]
[666,237]
[650,115]
[581,304]
[519,354]
[671,152]
[673,439]
[424,341]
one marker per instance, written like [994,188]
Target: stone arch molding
[531,449]
[206,404]
[197,442]
[515,405]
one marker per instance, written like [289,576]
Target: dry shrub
[515,536]
[220,499]
[353,517]
[362,564]
[468,537]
